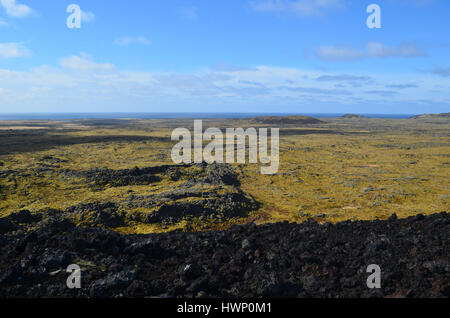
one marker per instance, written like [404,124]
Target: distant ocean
[75,116]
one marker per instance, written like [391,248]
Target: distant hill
[353,116]
[442,115]
[298,120]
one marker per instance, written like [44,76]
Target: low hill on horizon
[276,120]
[353,116]
[441,115]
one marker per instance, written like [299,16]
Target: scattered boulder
[221,174]
[55,259]
[120,280]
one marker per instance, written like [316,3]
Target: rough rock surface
[272,260]
[208,191]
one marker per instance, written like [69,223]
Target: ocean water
[75,116]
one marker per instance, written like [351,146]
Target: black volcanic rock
[221,174]
[271,260]
[119,178]
[7,226]
[24,217]
[209,191]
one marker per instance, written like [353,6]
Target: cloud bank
[15,9]
[297,7]
[79,82]
[372,50]
[13,50]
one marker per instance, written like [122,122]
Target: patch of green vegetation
[334,171]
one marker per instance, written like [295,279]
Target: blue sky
[305,56]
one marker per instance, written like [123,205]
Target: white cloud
[339,53]
[225,67]
[402,86]
[13,50]
[372,50]
[344,78]
[298,7]
[128,40]
[381,93]
[87,16]
[82,84]
[375,49]
[84,63]
[14,9]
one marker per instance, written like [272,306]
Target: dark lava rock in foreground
[272,260]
